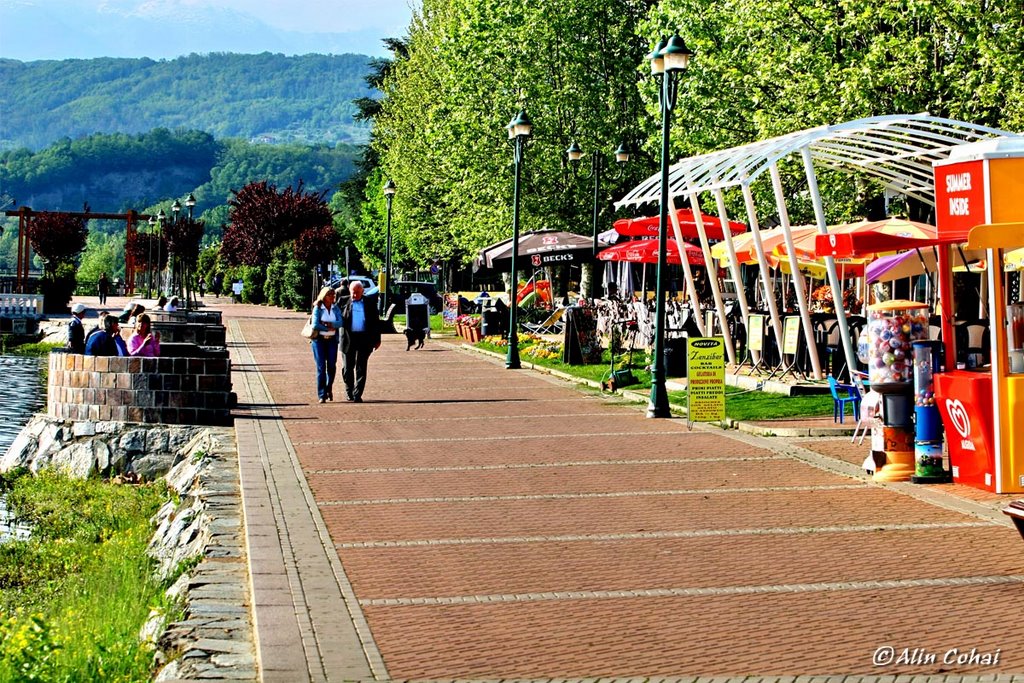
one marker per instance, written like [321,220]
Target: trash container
[675,357]
[417,312]
[492,322]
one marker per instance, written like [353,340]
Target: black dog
[414,336]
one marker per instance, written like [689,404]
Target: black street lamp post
[389,193]
[519,130]
[149,258]
[190,202]
[597,164]
[668,61]
[161,218]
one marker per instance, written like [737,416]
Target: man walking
[103,286]
[360,336]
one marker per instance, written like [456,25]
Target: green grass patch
[743,404]
[38,349]
[435,322]
[740,404]
[74,596]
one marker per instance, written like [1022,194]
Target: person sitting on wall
[106,341]
[172,305]
[76,330]
[161,302]
[131,314]
[144,341]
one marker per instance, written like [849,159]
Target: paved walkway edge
[308,623]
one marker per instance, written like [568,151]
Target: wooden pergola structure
[24,214]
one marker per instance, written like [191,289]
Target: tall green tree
[471,65]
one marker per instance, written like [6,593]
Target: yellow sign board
[705,379]
[791,335]
[755,337]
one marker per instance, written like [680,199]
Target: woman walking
[326,319]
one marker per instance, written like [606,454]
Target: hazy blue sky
[59,29]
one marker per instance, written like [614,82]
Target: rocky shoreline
[203,527]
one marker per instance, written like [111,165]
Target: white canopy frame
[898,149]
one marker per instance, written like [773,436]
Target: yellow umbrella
[744,244]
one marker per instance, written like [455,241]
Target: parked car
[370,290]
[401,290]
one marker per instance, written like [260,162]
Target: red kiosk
[979,191]
[979,199]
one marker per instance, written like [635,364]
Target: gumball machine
[927,421]
[893,327]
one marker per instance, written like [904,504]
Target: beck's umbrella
[540,248]
[646,251]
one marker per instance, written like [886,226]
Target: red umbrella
[648,226]
[646,251]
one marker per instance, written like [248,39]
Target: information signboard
[791,335]
[705,379]
[755,336]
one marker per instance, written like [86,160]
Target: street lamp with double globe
[389,192]
[668,61]
[597,164]
[149,257]
[519,130]
[161,218]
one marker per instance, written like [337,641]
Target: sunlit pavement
[495,524]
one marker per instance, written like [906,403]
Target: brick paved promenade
[469,522]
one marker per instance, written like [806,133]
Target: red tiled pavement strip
[494,524]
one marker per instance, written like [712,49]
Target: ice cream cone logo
[958,416]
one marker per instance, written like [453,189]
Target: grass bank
[37,349]
[740,404]
[74,596]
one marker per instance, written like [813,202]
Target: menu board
[705,379]
[451,309]
[791,335]
[755,336]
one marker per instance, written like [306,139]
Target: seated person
[161,302]
[613,291]
[130,313]
[144,342]
[171,305]
[107,340]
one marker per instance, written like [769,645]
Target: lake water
[22,394]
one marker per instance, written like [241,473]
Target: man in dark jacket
[360,336]
[107,341]
[76,331]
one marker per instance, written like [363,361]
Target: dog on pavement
[415,336]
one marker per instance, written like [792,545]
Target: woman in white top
[326,319]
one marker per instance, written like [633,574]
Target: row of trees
[761,68]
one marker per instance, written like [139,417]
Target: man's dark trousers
[354,373]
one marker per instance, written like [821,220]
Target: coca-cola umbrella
[648,226]
[539,248]
[646,251]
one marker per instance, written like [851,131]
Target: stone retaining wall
[149,390]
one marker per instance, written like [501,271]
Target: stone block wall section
[190,333]
[148,390]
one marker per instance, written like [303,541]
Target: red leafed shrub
[316,245]
[144,246]
[183,239]
[262,218]
[57,237]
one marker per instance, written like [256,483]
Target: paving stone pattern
[495,524]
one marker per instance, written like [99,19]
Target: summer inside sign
[705,379]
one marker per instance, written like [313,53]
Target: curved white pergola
[899,150]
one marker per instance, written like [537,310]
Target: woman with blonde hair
[326,320]
[144,341]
